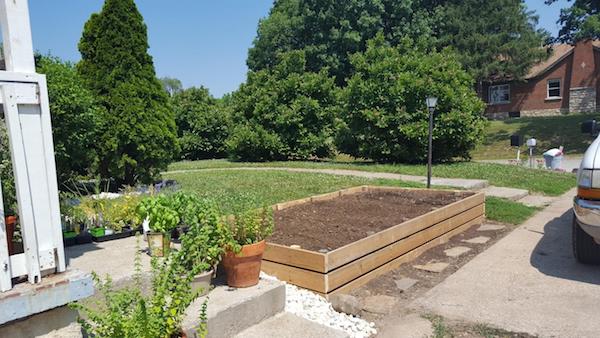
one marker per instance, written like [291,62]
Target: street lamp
[431,103]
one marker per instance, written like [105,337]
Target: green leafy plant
[201,245]
[122,212]
[130,313]
[161,213]
[247,227]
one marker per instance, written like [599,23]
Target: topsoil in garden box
[333,223]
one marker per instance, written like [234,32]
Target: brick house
[565,83]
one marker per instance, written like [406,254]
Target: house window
[499,94]
[553,89]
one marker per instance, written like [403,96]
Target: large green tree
[202,124]
[580,21]
[138,135]
[494,39]
[284,113]
[329,31]
[75,119]
[384,111]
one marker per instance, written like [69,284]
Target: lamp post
[431,103]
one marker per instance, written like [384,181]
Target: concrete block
[54,291]
[346,303]
[381,304]
[404,284]
[477,240]
[456,251]
[60,322]
[287,325]
[231,311]
[432,267]
[491,227]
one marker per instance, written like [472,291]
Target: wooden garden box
[355,264]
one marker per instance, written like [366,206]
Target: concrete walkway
[527,282]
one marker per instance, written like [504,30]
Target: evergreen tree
[138,134]
[580,21]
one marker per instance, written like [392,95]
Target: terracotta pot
[11,224]
[203,281]
[243,269]
[159,244]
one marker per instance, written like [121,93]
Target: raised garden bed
[349,237]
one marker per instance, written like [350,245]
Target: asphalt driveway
[527,282]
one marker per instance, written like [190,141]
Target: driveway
[526,282]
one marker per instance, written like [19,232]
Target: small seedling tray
[123,234]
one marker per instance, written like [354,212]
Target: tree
[202,124]
[7,178]
[384,105]
[74,113]
[138,134]
[284,113]
[171,85]
[494,39]
[580,21]
[329,31]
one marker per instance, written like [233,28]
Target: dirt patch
[334,223]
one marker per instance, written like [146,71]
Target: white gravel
[311,306]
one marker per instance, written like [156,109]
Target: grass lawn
[551,132]
[534,180]
[506,211]
[241,190]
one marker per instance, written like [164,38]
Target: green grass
[551,132]
[239,190]
[535,180]
[506,211]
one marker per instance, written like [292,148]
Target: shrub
[284,113]
[202,124]
[385,115]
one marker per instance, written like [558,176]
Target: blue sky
[200,42]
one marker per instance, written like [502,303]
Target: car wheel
[585,249]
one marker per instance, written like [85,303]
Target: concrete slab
[490,227]
[477,240]
[508,193]
[526,282]
[432,267]
[404,284]
[467,184]
[231,311]
[113,258]
[381,304]
[287,325]
[457,251]
[538,201]
[409,326]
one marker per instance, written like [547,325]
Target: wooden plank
[361,266]
[409,256]
[325,197]
[6,273]
[16,35]
[303,278]
[354,190]
[352,251]
[301,258]
[285,205]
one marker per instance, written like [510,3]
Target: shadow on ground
[553,255]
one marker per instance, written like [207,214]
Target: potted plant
[201,244]
[162,219]
[244,241]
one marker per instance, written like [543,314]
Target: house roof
[559,52]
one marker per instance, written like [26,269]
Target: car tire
[585,249]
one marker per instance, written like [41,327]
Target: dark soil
[334,223]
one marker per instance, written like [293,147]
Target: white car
[586,205]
